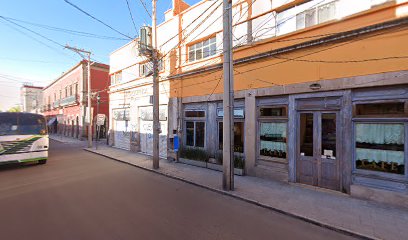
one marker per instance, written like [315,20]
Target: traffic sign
[100,119]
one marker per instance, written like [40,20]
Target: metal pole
[98,99]
[228,100]
[89,103]
[156,123]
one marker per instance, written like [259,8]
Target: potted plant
[194,156]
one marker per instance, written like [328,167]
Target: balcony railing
[68,100]
[56,104]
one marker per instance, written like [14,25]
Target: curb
[57,140]
[62,141]
[254,202]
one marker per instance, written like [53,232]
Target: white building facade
[131,102]
[31,98]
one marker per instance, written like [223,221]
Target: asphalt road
[78,195]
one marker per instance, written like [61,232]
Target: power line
[64,30]
[29,60]
[266,21]
[36,33]
[9,85]
[297,58]
[7,22]
[131,16]
[16,78]
[96,19]
[180,42]
[323,50]
[343,61]
[145,8]
[198,25]
[201,14]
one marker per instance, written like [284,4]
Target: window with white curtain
[379,132]
[272,132]
[273,139]
[380,147]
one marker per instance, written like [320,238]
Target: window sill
[273,159]
[381,175]
[188,63]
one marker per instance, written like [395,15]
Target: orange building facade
[321,92]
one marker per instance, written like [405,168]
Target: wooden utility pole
[228,100]
[156,121]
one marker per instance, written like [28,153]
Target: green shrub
[239,161]
[192,153]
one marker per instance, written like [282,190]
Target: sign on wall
[100,119]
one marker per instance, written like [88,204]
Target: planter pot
[214,166]
[239,171]
[217,167]
[193,162]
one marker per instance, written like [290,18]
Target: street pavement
[80,195]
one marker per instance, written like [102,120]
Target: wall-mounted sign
[138,92]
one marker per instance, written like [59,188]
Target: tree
[15,109]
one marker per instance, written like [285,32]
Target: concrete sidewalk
[71,140]
[329,209]
[64,139]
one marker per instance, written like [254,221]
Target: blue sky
[24,59]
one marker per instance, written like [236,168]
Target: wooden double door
[318,149]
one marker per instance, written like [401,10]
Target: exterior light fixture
[315,86]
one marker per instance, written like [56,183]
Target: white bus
[23,138]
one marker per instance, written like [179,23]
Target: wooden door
[318,160]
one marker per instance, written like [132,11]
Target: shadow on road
[14,166]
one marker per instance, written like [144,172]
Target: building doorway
[318,154]
[77,127]
[72,128]
[146,130]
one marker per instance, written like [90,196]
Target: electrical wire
[131,16]
[185,29]
[35,39]
[96,19]
[145,8]
[36,33]
[64,30]
[321,50]
[278,24]
[294,59]
[29,60]
[329,48]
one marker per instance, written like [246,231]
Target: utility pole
[156,122]
[81,52]
[98,128]
[228,100]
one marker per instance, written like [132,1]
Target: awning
[51,121]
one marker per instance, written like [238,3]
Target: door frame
[344,106]
[317,158]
